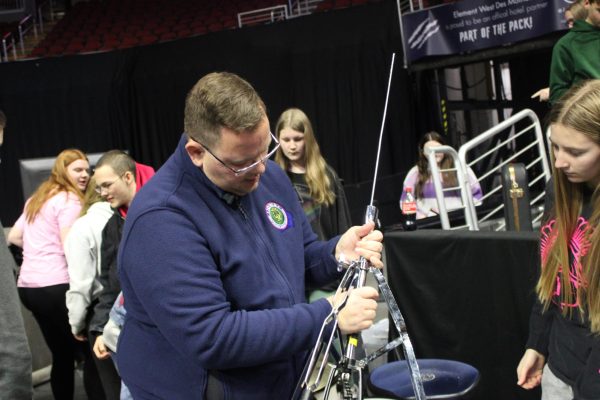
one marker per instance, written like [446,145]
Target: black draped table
[466,296]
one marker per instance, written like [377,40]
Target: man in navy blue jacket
[215,253]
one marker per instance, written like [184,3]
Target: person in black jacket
[118,178]
[319,188]
[563,349]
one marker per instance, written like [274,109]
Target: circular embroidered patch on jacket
[276,215]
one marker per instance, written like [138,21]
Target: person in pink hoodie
[44,278]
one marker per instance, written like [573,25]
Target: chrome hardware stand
[347,374]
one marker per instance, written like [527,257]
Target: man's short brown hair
[119,161]
[221,99]
[2,120]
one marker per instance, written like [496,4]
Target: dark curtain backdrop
[333,65]
[529,73]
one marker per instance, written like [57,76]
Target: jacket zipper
[264,245]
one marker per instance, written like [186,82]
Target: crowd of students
[213,258]
[70,231]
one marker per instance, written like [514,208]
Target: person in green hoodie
[576,56]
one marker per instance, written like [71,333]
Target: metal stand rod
[348,367]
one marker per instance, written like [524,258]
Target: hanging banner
[470,25]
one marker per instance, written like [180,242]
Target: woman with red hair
[44,278]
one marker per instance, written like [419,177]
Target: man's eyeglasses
[106,185]
[240,171]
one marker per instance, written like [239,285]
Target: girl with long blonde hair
[44,279]
[563,350]
[318,186]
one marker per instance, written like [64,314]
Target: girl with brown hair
[419,179]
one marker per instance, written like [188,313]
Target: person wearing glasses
[82,249]
[215,253]
[44,278]
[118,178]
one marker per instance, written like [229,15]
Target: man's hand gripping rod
[355,276]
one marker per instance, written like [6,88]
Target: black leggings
[48,306]
[111,381]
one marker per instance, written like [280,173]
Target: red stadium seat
[324,6]
[183,33]
[168,36]
[342,3]
[39,52]
[92,45]
[215,26]
[104,25]
[129,41]
[199,29]
[148,39]
[55,50]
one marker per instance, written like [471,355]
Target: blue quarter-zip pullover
[214,284]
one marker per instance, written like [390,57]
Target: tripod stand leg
[329,383]
[400,324]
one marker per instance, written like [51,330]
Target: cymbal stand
[347,374]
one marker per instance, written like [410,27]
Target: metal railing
[25,25]
[464,187]
[11,6]
[8,44]
[417,5]
[263,15]
[41,8]
[294,8]
[302,7]
[406,6]
[504,144]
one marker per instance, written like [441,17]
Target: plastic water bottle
[409,210]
